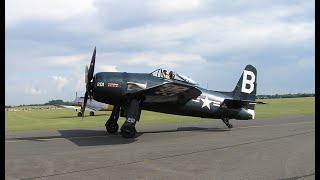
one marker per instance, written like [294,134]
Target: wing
[76,107]
[234,104]
[69,107]
[168,92]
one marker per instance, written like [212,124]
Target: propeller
[88,78]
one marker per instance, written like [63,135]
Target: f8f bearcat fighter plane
[170,93]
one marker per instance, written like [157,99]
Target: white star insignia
[206,102]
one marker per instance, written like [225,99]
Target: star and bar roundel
[206,101]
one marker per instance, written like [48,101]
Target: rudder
[246,87]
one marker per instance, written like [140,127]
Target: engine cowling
[109,88]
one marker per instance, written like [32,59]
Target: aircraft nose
[108,87]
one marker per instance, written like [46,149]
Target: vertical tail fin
[247,85]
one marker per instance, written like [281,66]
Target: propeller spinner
[88,78]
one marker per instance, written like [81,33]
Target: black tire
[112,128]
[91,113]
[79,114]
[229,126]
[128,131]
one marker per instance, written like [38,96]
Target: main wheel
[91,113]
[79,114]
[229,125]
[112,128]
[128,131]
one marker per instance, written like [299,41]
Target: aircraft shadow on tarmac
[185,129]
[82,137]
[86,137]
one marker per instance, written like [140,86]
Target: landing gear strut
[226,121]
[112,123]
[128,129]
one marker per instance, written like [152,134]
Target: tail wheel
[227,123]
[91,113]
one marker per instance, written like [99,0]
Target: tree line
[276,96]
[51,102]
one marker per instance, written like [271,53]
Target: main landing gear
[128,129]
[112,123]
[226,121]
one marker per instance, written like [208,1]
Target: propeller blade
[84,103]
[91,68]
[86,75]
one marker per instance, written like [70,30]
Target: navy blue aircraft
[167,92]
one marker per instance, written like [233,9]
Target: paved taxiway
[276,148]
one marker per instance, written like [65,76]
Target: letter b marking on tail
[246,81]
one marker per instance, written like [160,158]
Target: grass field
[286,107]
[66,119]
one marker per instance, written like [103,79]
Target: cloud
[33,91]
[211,35]
[171,60]
[177,5]
[19,10]
[69,60]
[107,68]
[79,84]
[60,82]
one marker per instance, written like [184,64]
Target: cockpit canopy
[162,73]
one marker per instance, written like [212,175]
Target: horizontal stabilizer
[235,104]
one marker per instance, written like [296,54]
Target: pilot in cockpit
[171,75]
[165,74]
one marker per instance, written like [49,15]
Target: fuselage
[92,104]
[112,88]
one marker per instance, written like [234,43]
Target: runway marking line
[87,137]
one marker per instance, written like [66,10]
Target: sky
[48,43]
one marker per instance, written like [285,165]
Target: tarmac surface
[275,148]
